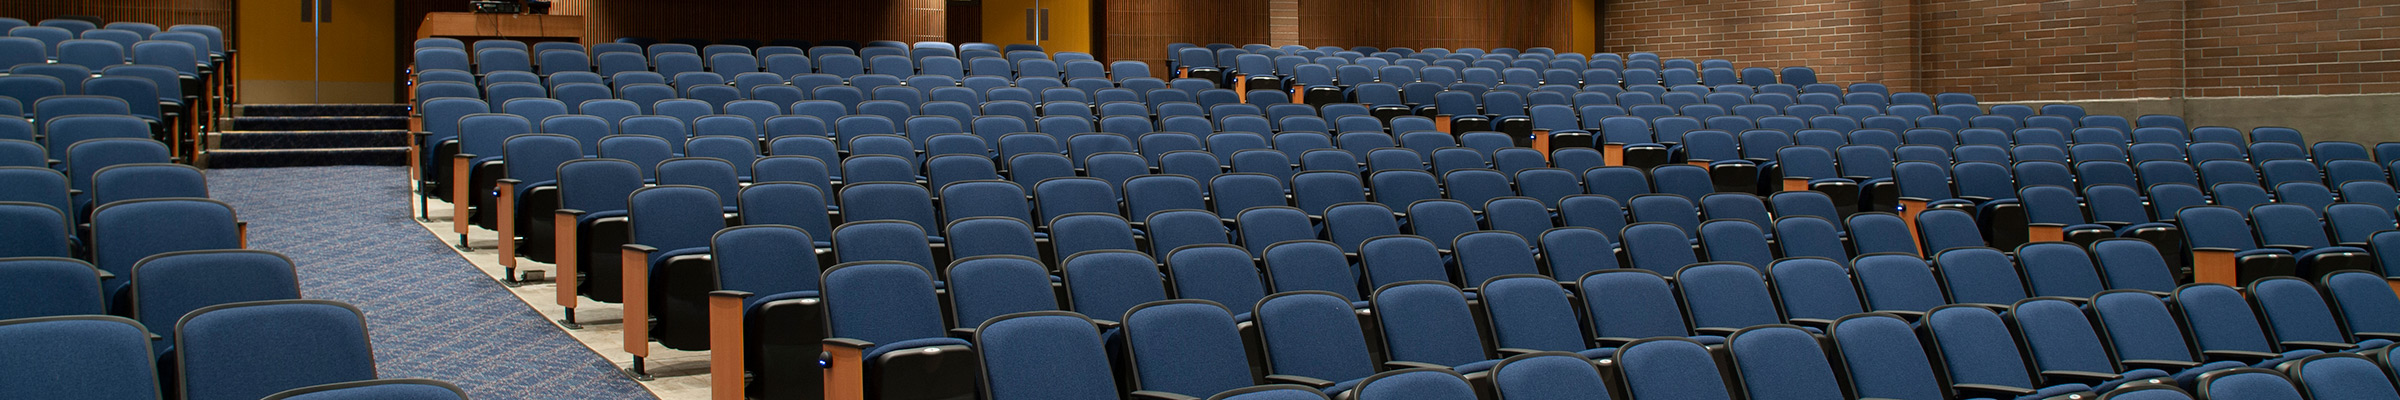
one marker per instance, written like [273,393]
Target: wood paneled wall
[162,12]
[1139,30]
[903,20]
[1449,24]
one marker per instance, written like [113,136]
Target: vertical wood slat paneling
[1139,30]
[164,13]
[904,20]
[1437,23]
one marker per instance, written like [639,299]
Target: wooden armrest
[461,167]
[506,204]
[563,251]
[725,376]
[2214,265]
[636,264]
[845,368]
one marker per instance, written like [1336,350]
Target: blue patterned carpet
[429,312]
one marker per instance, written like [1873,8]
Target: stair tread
[322,132]
[321,149]
[280,117]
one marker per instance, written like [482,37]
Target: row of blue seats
[270,349]
[1621,297]
[493,56]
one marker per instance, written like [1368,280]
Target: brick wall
[2265,48]
[2014,50]
[1842,40]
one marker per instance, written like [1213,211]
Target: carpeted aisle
[430,313]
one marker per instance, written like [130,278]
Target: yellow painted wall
[278,55]
[1070,23]
[1587,26]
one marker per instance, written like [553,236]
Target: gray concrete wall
[2366,118]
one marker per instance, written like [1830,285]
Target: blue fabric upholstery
[1979,276]
[1312,334]
[1727,296]
[882,240]
[764,259]
[1224,274]
[1044,356]
[883,303]
[1884,358]
[996,285]
[2059,269]
[1814,288]
[77,357]
[1427,384]
[123,233]
[250,350]
[1428,322]
[167,286]
[1110,282]
[1185,347]
[1781,362]
[1670,368]
[2342,376]
[388,389]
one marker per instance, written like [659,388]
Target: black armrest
[967,334]
[105,275]
[1820,324]
[2088,378]
[1106,325]
[2325,346]
[1605,341]
[1158,395]
[2166,365]
[1320,384]
[2295,249]
[640,248]
[1715,331]
[861,345]
[511,181]
[1973,390]
[2379,335]
[1396,365]
[1506,352]
[2244,356]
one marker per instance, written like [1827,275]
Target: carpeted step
[316,123]
[239,158]
[269,140]
[324,110]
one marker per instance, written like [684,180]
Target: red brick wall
[2263,48]
[2007,50]
[1845,41]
